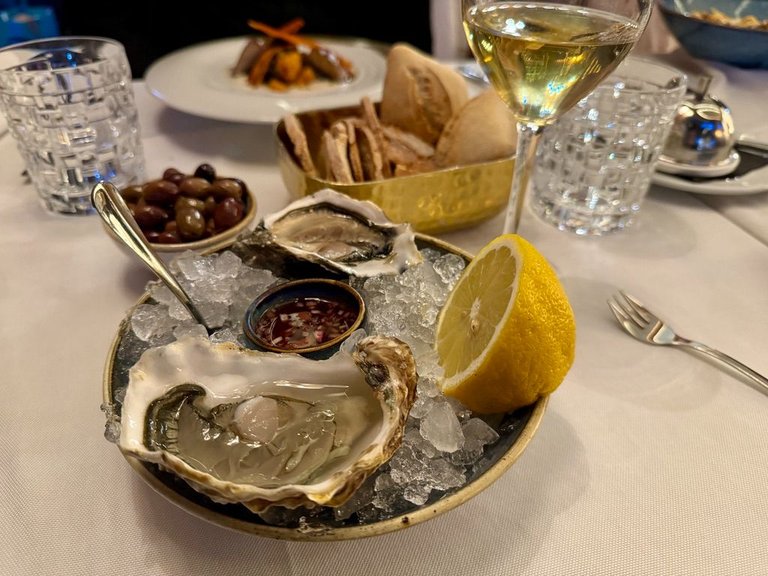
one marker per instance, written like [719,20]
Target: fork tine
[641,311]
[618,311]
[624,311]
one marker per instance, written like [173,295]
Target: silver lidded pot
[702,133]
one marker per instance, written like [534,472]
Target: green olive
[195,187]
[190,224]
[183,202]
[226,188]
[132,194]
[161,193]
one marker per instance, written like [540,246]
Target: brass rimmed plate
[515,432]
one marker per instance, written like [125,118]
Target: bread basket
[432,202]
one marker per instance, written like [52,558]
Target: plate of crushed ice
[446,454]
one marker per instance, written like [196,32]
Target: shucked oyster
[266,429]
[339,233]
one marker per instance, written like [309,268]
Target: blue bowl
[730,44]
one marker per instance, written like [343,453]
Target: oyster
[340,234]
[265,429]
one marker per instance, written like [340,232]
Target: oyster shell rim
[180,494]
[404,252]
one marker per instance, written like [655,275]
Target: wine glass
[543,57]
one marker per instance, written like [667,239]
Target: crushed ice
[442,439]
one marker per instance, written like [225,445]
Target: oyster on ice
[264,429]
[339,233]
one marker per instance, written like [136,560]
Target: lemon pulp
[506,335]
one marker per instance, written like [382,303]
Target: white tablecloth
[648,461]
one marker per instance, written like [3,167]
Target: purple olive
[150,217]
[168,238]
[228,213]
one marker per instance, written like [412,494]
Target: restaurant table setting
[644,460]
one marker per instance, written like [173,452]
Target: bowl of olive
[191,211]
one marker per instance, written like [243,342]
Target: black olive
[206,171]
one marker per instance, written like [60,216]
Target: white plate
[197,80]
[750,182]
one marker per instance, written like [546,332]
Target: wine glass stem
[527,140]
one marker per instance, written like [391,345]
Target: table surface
[648,460]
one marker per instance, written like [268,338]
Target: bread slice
[483,130]
[335,145]
[298,138]
[353,151]
[371,119]
[419,94]
[371,155]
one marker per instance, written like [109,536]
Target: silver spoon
[473,72]
[114,211]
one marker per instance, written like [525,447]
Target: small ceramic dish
[310,316]
[212,243]
[217,241]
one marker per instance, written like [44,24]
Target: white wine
[543,58]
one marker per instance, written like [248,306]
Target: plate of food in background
[260,78]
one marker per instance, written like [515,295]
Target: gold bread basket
[432,202]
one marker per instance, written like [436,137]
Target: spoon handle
[113,210]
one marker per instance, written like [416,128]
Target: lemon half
[506,335]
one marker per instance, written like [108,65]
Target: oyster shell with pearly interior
[264,429]
[336,232]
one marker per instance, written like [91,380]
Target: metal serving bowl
[516,429]
[431,202]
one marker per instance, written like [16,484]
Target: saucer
[669,166]
[749,177]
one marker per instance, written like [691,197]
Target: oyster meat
[342,234]
[264,429]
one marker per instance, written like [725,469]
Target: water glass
[594,165]
[69,104]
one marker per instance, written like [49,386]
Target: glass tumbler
[69,104]
[594,165]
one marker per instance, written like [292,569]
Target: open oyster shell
[338,233]
[265,429]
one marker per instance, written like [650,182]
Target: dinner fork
[644,325]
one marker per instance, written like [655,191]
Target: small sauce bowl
[311,316]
